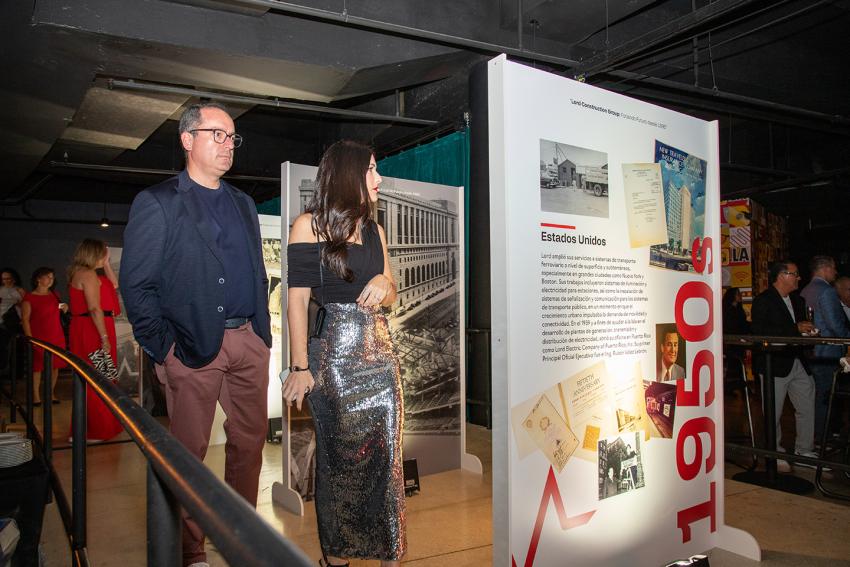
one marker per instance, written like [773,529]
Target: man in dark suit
[195,288]
[778,313]
[830,321]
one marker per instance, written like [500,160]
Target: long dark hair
[341,201]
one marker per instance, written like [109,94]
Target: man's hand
[806,327]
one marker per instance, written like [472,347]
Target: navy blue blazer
[172,276]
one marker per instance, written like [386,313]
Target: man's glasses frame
[220,136]
[792,274]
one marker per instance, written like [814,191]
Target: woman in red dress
[94,301]
[40,320]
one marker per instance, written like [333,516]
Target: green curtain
[444,161]
[270,207]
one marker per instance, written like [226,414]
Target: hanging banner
[736,244]
[607,347]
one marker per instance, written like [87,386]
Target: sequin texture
[357,410]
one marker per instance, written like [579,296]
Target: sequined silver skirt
[357,410]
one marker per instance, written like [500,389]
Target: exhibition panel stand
[606,330]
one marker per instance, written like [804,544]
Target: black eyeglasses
[792,274]
[220,136]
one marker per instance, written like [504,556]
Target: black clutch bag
[316,307]
[315,318]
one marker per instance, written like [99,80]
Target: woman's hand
[375,291]
[105,345]
[297,385]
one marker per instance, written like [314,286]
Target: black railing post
[28,388]
[177,479]
[78,464]
[769,397]
[13,377]
[47,405]
[163,515]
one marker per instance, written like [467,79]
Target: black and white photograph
[128,348]
[573,180]
[271,260]
[620,464]
[423,229]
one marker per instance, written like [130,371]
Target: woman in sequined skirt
[348,371]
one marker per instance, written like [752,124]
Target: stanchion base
[784,482]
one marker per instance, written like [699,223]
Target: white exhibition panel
[554,501]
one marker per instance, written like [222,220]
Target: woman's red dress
[101,424]
[45,326]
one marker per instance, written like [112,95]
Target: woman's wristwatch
[296,368]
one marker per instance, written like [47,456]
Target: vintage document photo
[627,387]
[550,432]
[525,444]
[645,211]
[590,407]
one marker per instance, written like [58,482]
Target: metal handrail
[175,478]
[769,340]
[766,344]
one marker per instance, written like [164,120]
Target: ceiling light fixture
[104,222]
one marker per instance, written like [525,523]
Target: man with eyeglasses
[776,312]
[830,320]
[195,288]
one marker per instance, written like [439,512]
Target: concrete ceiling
[772,72]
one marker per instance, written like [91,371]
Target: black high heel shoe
[323,562]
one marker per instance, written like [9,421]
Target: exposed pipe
[148,171]
[274,103]
[519,24]
[345,18]
[415,33]
[64,221]
[776,107]
[695,47]
[609,59]
[789,184]
[741,35]
[28,193]
[767,171]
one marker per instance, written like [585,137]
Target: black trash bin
[23,495]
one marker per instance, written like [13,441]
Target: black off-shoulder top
[365,260]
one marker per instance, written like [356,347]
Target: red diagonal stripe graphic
[551,491]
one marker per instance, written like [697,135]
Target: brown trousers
[238,379]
